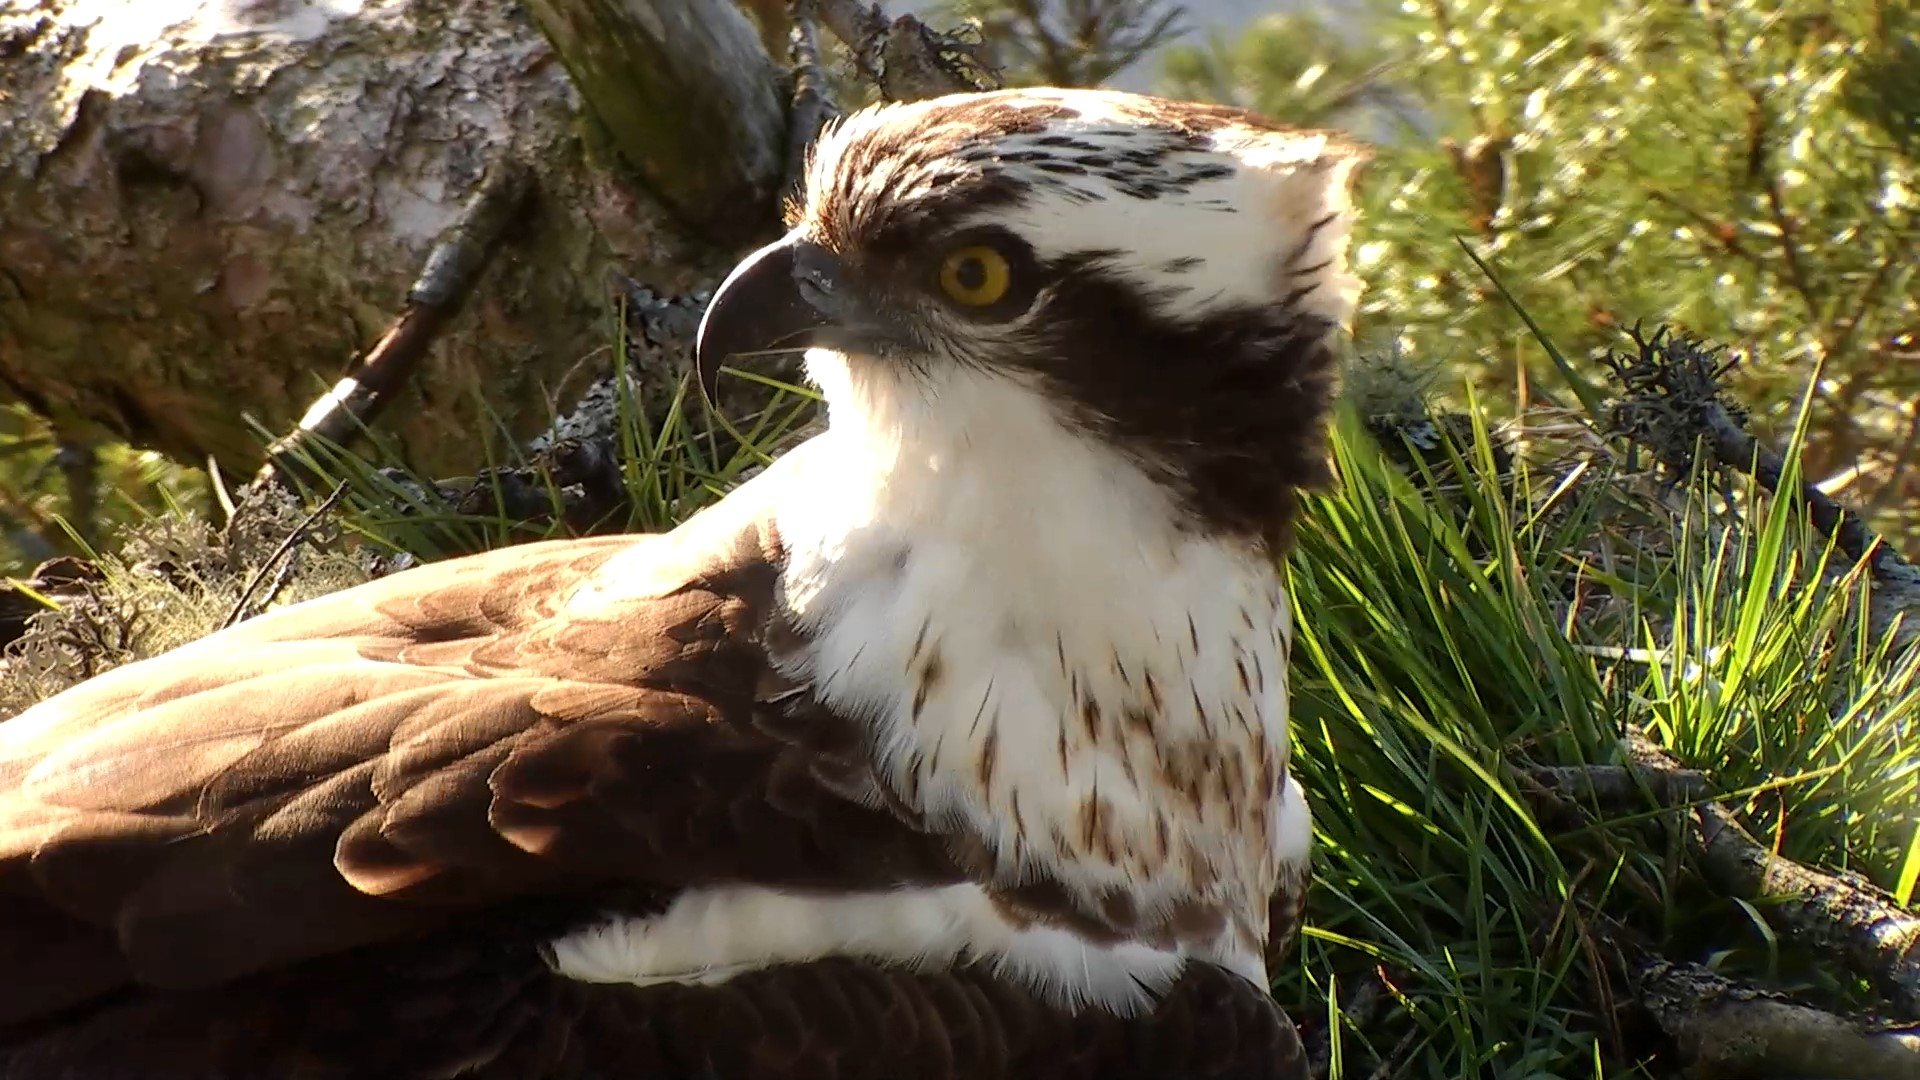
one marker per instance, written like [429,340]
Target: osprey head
[1166,275]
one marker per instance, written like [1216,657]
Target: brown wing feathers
[354,770]
[462,1012]
[329,801]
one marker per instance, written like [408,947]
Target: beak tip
[756,307]
[706,365]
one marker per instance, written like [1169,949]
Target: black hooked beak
[761,307]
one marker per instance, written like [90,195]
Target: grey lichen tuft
[171,580]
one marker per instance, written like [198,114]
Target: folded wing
[550,719]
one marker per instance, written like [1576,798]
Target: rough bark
[1618,785]
[1731,1032]
[207,209]
[688,98]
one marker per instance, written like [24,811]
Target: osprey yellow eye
[975,275]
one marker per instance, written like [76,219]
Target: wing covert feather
[365,765]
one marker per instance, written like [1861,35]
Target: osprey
[952,744]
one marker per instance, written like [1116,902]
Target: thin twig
[1083,42]
[280,579]
[280,551]
[452,269]
[1870,291]
[1721,233]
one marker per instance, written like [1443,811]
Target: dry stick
[1876,936]
[1897,579]
[1672,387]
[1734,446]
[1729,1030]
[451,271]
[280,551]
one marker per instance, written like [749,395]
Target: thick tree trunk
[685,93]
[208,208]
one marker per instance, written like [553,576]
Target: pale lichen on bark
[206,210]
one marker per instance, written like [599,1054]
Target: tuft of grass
[1425,648]
[1443,642]
[673,456]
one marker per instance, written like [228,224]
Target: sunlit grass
[1435,650]
[39,518]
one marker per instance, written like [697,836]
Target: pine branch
[905,59]
[1877,938]
[1729,1030]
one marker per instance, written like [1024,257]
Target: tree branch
[1733,1031]
[1617,785]
[1876,937]
[905,59]
[1851,918]
[687,96]
[812,106]
[452,269]
[1673,403]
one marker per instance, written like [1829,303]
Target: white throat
[1046,660]
[1046,655]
